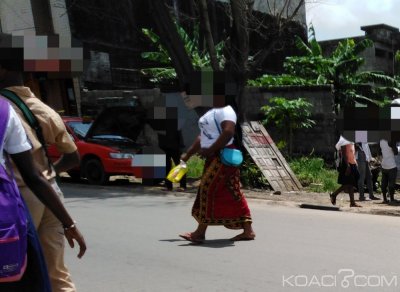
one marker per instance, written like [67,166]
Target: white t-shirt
[15,139]
[388,159]
[208,129]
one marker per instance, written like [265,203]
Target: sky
[334,19]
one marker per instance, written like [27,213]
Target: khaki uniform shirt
[53,128]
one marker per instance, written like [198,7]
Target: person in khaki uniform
[50,229]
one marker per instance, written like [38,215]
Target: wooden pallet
[268,158]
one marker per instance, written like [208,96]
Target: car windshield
[80,128]
[112,137]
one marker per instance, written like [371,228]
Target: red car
[106,145]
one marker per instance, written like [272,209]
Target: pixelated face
[40,53]
[207,89]
[370,123]
[193,101]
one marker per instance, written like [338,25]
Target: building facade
[379,57]
[112,40]
[44,18]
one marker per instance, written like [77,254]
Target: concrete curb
[319,207]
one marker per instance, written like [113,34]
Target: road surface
[133,245]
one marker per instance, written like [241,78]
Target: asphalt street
[133,245]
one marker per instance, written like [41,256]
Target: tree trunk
[290,140]
[239,51]
[205,25]
[171,40]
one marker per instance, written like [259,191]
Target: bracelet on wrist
[73,225]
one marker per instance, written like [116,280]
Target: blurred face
[205,101]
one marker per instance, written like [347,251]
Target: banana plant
[342,70]
[200,57]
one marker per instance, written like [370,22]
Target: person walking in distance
[363,157]
[389,169]
[347,168]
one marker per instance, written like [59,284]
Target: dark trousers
[176,157]
[388,181]
[375,174]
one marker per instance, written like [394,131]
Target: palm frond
[378,78]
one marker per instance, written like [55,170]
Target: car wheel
[94,172]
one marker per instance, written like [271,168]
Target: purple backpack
[13,221]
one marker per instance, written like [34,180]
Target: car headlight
[120,155]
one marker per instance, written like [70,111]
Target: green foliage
[341,70]
[288,115]
[313,174]
[282,144]
[294,114]
[281,80]
[250,174]
[200,57]
[195,167]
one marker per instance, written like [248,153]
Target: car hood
[117,123]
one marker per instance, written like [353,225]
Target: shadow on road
[212,243]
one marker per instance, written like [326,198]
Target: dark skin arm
[44,191]
[394,147]
[67,161]
[193,149]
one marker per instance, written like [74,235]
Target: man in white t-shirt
[389,169]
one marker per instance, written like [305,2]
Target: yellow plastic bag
[176,173]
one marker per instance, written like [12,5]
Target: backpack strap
[29,117]
[4,115]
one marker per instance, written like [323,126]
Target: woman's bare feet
[193,237]
[244,236]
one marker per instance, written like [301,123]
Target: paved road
[133,246]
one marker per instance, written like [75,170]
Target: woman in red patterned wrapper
[219,199]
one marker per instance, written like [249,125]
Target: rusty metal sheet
[268,158]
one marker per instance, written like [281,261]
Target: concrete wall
[61,24]
[16,17]
[321,138]
[274,7]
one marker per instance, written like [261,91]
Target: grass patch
[195,167]
[312,172]
[314,175]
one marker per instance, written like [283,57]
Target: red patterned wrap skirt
[219,199]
